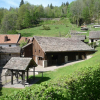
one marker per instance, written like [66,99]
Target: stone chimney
[6,38]
[25,39]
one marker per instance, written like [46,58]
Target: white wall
[7,45]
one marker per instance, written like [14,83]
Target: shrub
[46,27]
[56,27]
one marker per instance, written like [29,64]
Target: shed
[94,36]
[19,64]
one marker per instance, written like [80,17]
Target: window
[40,58]
[9,45]
[9,54]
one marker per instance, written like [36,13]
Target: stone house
[7,52]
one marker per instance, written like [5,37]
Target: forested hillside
[27,15]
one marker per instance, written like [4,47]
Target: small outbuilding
[94,36]
[18,64]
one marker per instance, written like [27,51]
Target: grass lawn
[8,91]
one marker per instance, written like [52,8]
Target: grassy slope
[61,28]
[58,28]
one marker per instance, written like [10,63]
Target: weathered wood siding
[37,52]
[59,58]
[28,51]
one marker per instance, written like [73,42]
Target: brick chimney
[6,38]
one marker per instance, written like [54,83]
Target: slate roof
[18,63]
[78,37]
[94,34]
[10,49]
[56,44]
[12,38]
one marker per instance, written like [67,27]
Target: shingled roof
[10,49]
[94,34]
[78,37]
[56,44]
[18,63]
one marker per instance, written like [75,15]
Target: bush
[45,27]
[56,27]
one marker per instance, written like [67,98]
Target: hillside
[66,83]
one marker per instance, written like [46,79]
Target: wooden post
[23,77]
[33,72]
[27,75]
[11,77]
[17,75]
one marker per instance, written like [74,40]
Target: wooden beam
[11,77]
[17,75]
[23,77]
[33,72]
[27,75]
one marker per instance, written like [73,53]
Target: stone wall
[5,57]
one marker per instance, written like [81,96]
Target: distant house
[13,40]
[9,40]
[26,39]
[79,37]
[49,51]
[7,52]
[94,36]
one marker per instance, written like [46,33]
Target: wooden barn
[49,51]
[94,36]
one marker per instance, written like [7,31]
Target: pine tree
[21,3]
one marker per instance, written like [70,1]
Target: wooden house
[94,36]
[49,51]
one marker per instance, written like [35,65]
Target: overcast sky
[15,3]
